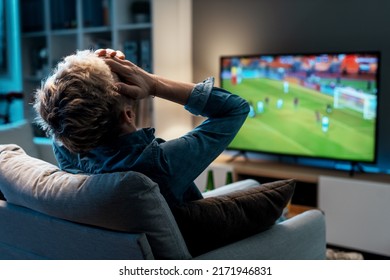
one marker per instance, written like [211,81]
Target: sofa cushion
[213,222]
[122,201]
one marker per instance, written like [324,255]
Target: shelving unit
[52,29]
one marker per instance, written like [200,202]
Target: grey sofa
[50,214]
[27,234]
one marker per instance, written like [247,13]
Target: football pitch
[294,125]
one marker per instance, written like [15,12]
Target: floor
[339,253]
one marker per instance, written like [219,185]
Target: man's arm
[189,155]
[174,91]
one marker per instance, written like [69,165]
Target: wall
[12,81]
[172,51]
[229,27]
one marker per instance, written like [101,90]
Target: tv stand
[238,154]
[307,177]
[287,159]
[355,166]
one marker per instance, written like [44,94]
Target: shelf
[33,79]
[294,209]
[134,26]
[34,34]
[97,29]
[59,32]
[53,29]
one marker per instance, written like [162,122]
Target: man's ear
[128,120]
[128,115]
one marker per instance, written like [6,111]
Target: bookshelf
[52,29]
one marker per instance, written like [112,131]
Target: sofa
[46,213]
[28,235]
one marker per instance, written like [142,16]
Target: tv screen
[308,105]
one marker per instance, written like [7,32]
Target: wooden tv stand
[307,177]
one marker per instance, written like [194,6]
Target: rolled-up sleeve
[199,97]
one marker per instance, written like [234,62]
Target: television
[316,105]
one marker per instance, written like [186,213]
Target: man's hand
[134,82]
[110,53]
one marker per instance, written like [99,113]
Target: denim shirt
[173,164]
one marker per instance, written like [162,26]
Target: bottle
[229,178]
[210,181]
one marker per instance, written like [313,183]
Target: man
[90,115]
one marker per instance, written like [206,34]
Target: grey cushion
[124,201]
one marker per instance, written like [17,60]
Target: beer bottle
[210,181]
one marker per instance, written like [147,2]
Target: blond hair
[78,104]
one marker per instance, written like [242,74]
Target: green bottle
[210,181]
[229,178]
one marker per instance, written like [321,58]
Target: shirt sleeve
[186,157]
[199,96]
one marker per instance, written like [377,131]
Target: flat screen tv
[319,105]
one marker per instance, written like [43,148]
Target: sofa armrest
[240,185]
[300,238]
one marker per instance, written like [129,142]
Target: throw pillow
[122,201]
[213,222]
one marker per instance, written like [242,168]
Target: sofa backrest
[121,201]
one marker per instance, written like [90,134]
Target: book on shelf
[130,50]
[32,21]
[138,52]
[145,56]
[63,14]
[96,13]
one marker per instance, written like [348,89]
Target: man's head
[79,104]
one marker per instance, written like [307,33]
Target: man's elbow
[245,107]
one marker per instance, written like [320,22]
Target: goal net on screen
[347,97]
